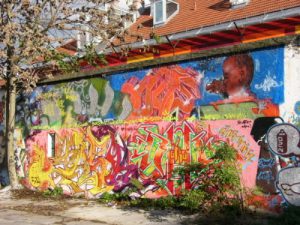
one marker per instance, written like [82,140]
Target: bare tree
[31,32]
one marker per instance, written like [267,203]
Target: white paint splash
[268,83]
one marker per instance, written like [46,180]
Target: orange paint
[162,91]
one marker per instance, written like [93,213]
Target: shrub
[216,182]
[110,197]
[55,192]
[192,200]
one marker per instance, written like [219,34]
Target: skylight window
[238,3]
[159,11]
[163,10]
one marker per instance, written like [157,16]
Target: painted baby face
[233,77]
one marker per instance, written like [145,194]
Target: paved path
[26,211]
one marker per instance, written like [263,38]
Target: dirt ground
[26,207]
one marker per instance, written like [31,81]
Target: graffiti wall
[230,87]
[96,135]
[96,159]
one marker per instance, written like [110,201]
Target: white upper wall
[290,109]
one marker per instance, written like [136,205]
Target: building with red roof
[189,76]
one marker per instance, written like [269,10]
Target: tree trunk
[11,101]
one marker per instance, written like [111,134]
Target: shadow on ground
[221,216]
[289,216]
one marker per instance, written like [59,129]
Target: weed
[55,192]
[225,153]
[214,182]
[136,183]
[114,197]
[192,200]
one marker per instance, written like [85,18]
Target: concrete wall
[290,109]
[95,135]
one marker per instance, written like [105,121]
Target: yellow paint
[68,121]
[297,29]
[37,174]
[140,58]
[264,35]
[74,164]
[185,50]
[74,167]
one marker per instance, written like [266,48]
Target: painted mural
[100,134]
[96,159]
[232,87]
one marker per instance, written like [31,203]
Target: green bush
[225,153]
[192,200]
[55,192]
[117,197]
[213,183]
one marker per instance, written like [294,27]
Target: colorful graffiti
[71,104]
[235,88]
[102,134]
[96,159]
[165,90]
[278,164]
[232,87]
[89,160]
[284,141]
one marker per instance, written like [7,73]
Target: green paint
[99,84]
[230,111]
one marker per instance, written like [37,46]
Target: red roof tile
[200,13]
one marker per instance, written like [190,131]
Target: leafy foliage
[192,200]
[118,197]
[56,192]
[32,33]
[218,176]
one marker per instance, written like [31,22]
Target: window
[51,145]
[159,11]
[163,10]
